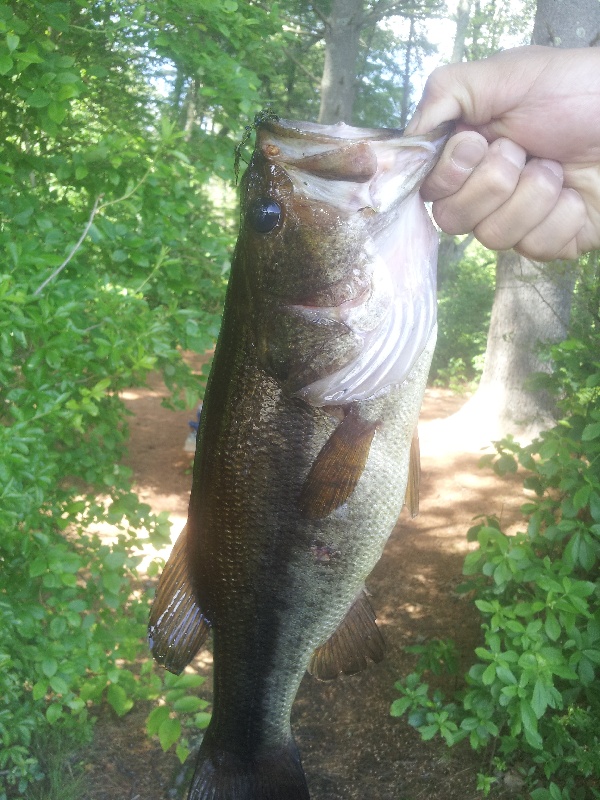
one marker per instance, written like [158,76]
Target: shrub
[465,297]
[533,696]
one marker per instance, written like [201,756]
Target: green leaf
[54,712]
[111,582]
[59,685]
[156,718]
[57,112]
[202,719]
[591,431]
[119,256]
[186,680]
[530,726]
[581,497]
[49,667]
[539,700]
[12,41]
[37,567]
[187,704]
[400,706]
[6,63]
[593,655]
[552,627]
[38,99]
[489,675]
[39,690]
[182,752]
[58,626]
[506,675]
[428,732]
[118,699]
[169,732]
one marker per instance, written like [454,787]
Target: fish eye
[264,215]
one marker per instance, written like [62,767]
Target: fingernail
[468,153]
[413,124]
[553,166]
[513,153]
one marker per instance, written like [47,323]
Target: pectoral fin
[338,467]
[411,499]
[357,639]
[177,626]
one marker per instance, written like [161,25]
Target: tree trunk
[531,309]
[568,23]
[407,75]
[532,301]
[338,85]
[463,13]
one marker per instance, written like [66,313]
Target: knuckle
[543,184]
[502,181]
[540,248]
[450,219]
[492,235]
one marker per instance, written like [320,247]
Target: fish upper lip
[326,163]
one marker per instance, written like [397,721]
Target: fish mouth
[369,170]
[388,301]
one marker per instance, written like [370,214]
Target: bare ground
[351,748]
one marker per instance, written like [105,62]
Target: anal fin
[338,467]
[177,627]
[411,498]
[356,640]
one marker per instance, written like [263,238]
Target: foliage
[291,82]
[116,228]
[391,55]
[114,259]
[532,695]
[179,713]
[493,24]
[465,297]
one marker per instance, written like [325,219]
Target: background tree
[119,122]
[114,258]
[532,301]
[352,41]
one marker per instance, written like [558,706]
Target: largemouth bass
[305,446]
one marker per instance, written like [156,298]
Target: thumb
[432,111]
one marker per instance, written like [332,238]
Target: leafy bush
[533,695]
[114,258]
[465,297]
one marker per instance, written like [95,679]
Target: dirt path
[351,748]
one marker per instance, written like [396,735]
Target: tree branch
[59,269]
[384,9]
[301,66]
[95,210]
[320,14]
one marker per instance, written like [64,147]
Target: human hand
[523,170]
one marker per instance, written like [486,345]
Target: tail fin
[275,775]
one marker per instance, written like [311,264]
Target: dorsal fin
[338,467]
[411,498]
[347,650]
[177,627]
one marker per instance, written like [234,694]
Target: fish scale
[294,491]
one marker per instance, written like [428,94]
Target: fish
[306,449]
